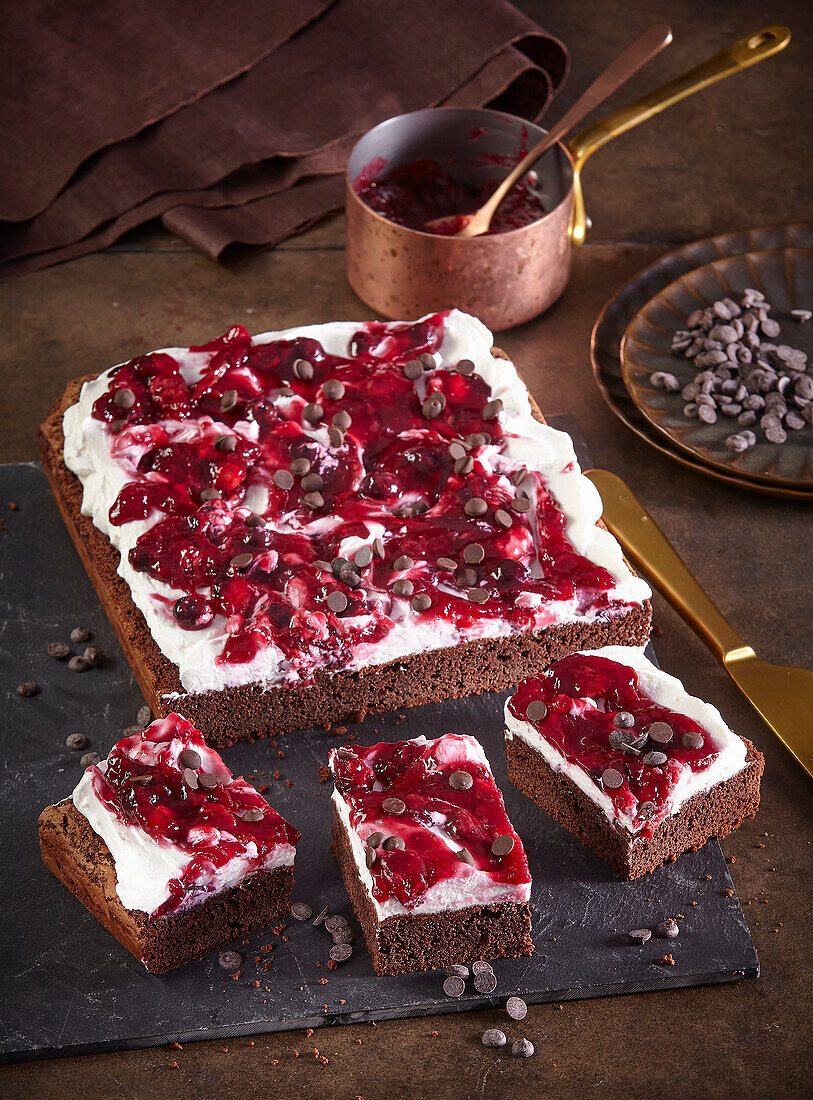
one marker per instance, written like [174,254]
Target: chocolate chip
[461,780]
[624,720]
[27,688]
[313,500]
[300,910]
[403,561]
[492,409]
[252,815]
[464,465]
[77,741]
[403,588]
[336,923]
[190,779]
[640,935]
[80,634]
[646,810]
[413,369]
[303,369]
[477,595]
[667,929]
[620,739]
[432,407]
[230,960]
[465,856]
[393,806]
[132,731]
[503,518]
[89,759]
[206,779]
[320,917]
[485,982]
[394,843]
[660,732]
[78,664]
[447,565]
[284,479]
[140,780]
[458,969]
[692,740]
[516,1008]
[374,839]
[312,483]
[300,466]
[363,557]
[474,553]
[228,400]
[94,655]
[801,315]
[241,561]
[536,711]
[312,413]
[226,443]
[521,504]
[493,1037]
[58,650]
[655,759]
[144,716]
[124,398]
[342,420]
[454,986]
[378,547]
[421,602]
[480,966]
[466,578]
[190,759]
[341,952]
[612,778]
[210,494]
[522,1048]
[475,506]
[337,602]
[457,450]
[333,389]
[465,366]
[502,845]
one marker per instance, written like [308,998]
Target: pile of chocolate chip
[742,372]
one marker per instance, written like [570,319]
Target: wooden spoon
[636,55]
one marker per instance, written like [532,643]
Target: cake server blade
[782,696]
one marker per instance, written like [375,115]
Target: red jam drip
[207,822]
[412,772]
[416,193]
[263,579]
[582,732]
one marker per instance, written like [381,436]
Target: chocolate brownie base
[80,859]
[250,712]
[399,945]
[715,813]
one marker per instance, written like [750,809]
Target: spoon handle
[629,61]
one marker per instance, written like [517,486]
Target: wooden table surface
[735,156]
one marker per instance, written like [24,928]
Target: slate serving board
[69,988]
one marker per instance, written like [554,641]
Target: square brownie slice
[435,871]
[168,850]
[618,752]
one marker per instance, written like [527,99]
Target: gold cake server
[783,697]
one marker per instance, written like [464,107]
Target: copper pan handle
[747,51]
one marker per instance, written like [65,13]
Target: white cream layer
[669,692]
[538,447]
[469,887]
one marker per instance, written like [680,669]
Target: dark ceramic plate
[612,322]
[785,276]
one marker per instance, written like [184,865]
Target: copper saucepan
[504,278]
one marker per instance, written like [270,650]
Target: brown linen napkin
[76,77]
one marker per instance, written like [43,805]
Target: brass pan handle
[747,51]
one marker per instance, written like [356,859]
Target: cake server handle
[782,696]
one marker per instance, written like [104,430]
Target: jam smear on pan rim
[438,810]
[600,718]
[277,476]
[168,782]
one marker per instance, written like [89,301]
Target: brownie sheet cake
[435,871]
[168,850]
[300,527]
[618,752]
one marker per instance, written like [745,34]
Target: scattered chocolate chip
[521,504]
[341,952]
[252,815]
[337,923]
[465,366]
[454,986]
[132,731]
[300,466]
[363,557]
[466,578]
[312,483]
[464,465]
[403,588]
[312,413]
[485,982]
[475,506]
[640,935]
[474,553]
[667,929]
[77,741]
[801,315]
[646,810]
[503,518]
[481,965]
[413,369]
[516,1008]
[241,561]
[378,547]
[536,711]
[313,500]
[190,759]
[300,910]
[303,369]
[432,406]
[320,917]
[226,443]
[461,780]
[624,720]
[374,839]
[27,688]
[140,780]
[612,778]
[230,960]
[58,650]
[421,602]
[144,716]
[403,561]
[78,664]
[394,843]
[458,969]
[503,845]
[493,1037]
[394,806]
[210,494]
[692,740]
[447,565]
[660,732]
[228,400]
[80,634]
[465,856]
[333,389]
[492,409]
[124,398]
[522,1048]
[284,479]
[190,779]
[94,655]
[89,758]
[654,759]
[337,602]
[342,420]
[477,595]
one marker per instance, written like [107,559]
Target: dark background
[736,155]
